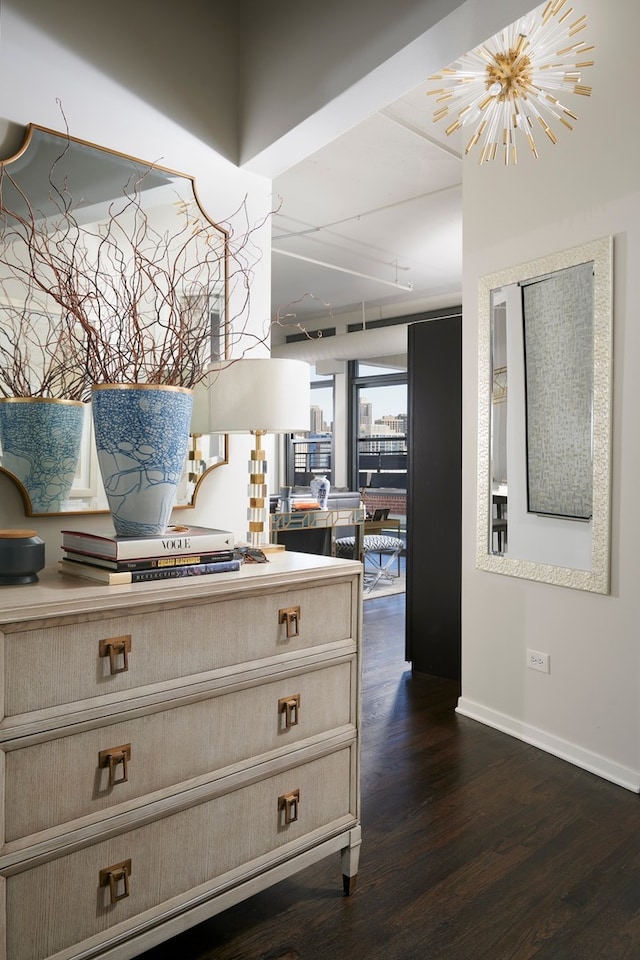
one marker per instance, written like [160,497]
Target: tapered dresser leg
[350,859]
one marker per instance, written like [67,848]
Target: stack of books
[182,551]
[304,503]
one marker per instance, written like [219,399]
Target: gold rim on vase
[141,386]
[72,403]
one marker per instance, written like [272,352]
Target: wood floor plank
[475,846]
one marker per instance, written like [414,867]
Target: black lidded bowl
[21,556]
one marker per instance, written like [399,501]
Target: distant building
[317,424]
[396,424]
[365,416]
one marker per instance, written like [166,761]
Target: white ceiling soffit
[360,345]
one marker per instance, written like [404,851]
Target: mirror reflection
[544,417]
[54,172]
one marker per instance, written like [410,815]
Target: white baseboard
[593,762]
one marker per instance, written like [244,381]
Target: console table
[171,748]
[301,520]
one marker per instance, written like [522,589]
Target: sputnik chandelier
[509,84]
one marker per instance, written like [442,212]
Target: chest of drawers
[172,748]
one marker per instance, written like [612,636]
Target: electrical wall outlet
[538,661]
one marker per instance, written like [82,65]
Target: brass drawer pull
[288,805]
[289,711]
[114,648]
[114,757]
[290,616]
[116,878]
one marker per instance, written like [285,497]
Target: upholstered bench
[375,547]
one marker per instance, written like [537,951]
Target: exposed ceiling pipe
[359,345]
[334,266]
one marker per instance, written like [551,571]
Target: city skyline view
[388,401]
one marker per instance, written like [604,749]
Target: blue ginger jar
[320,487]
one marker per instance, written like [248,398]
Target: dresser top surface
[57,595]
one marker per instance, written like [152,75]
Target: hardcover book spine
[148,547]
[195,570]
[148,563]
[111,577]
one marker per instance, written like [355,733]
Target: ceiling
[383,205]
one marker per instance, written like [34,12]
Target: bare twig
[286,317]
[120,300]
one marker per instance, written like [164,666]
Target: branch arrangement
[37,356]
[120,300]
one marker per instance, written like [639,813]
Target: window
[379,429]
[313,452]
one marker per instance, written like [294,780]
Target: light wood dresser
[172,748]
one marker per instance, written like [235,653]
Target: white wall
[38,68]
[585,187]
[181,62]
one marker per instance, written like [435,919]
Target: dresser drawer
[60,903]
[82,659]
[85,773]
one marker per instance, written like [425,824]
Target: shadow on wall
[179,86]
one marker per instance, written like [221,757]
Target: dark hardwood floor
[475,846]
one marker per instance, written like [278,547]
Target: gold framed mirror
[53,171]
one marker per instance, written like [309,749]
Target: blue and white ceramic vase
[40,440]
[142,435]
[320,487]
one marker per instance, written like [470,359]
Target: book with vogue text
[149,563]
[178,539]
[99,575]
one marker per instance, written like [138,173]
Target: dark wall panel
[434,484]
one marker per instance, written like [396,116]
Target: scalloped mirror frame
[97,152]
[597,578]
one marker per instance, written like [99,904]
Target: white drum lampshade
[258,396]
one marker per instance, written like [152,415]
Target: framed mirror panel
[50,173]
[544,418]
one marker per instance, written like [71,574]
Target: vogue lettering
[177,543]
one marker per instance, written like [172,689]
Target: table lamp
[200,427]
[258,396]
